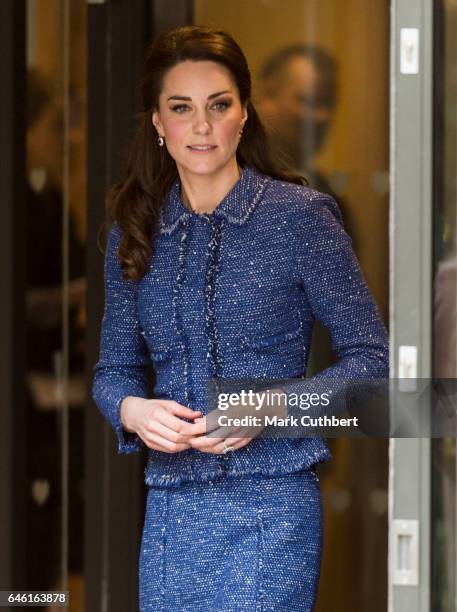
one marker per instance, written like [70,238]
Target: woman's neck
[202,193]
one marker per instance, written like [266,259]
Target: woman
[217,264]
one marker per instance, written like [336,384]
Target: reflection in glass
[55,295]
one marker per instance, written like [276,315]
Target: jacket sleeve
[339,297]
[123,359]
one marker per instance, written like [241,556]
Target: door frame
[411,176]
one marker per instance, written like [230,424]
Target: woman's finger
[158,443]
[166,432]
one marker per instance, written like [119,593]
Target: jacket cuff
[367,399]
[128,442]
[108,397]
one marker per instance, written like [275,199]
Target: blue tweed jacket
[234,294]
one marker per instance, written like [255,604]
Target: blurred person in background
[44,321]
[297,96]
[297,93]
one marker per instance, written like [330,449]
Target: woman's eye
[179,107]
[221,106]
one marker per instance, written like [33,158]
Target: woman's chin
[202,166]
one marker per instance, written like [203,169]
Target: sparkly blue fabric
[234,294]
[247,544]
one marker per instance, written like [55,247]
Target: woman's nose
[202,125]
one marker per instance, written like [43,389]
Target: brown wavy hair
[134,202]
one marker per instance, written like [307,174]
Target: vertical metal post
[410,292]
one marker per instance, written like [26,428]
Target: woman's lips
[201,148]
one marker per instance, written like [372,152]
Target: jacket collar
[236,206]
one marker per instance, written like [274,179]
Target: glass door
[321,85]
[55,295]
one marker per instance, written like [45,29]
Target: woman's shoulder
[301,202]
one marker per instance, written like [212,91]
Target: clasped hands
[160,424]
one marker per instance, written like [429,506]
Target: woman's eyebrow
[214,95]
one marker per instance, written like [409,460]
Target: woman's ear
[245,115]
[156,123]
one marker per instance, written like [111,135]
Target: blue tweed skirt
[246,544]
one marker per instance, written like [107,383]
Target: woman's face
[200,105]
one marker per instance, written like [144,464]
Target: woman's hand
[157,422]
[235,436]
